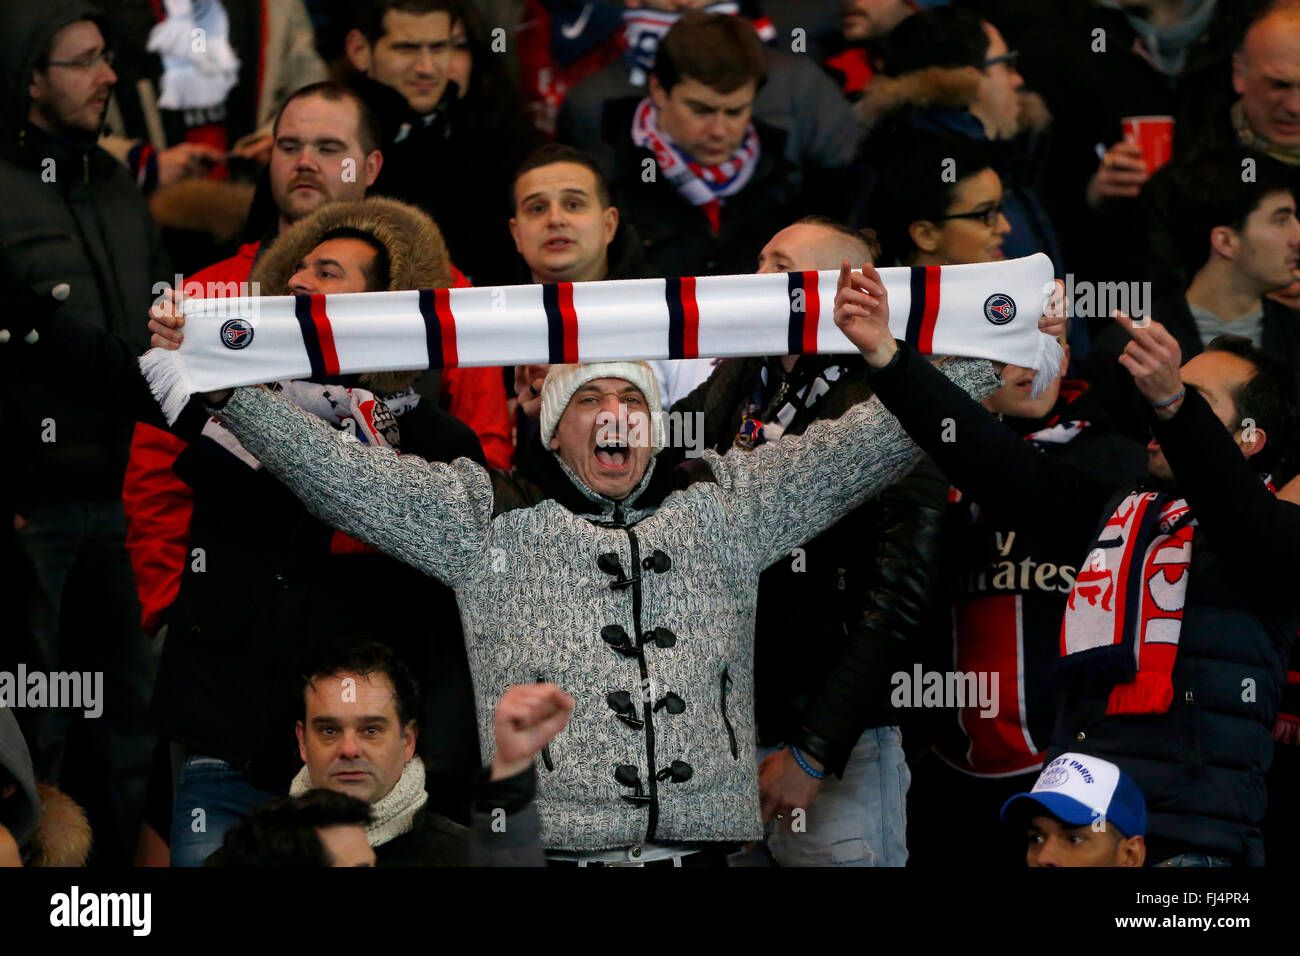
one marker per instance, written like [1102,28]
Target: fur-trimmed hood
[62,836]
[417,256]
[938,88]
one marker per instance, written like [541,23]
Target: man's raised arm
[789,491]
[433,516]
[1006,475]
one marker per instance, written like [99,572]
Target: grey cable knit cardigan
[673,757]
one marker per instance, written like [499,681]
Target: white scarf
[362,414]
[395,813]
[987,310]
[199,66]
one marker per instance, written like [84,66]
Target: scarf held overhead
[988,310]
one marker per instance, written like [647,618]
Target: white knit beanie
[563,380]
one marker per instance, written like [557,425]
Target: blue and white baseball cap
[1078,789]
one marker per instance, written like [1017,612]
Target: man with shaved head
[832,777]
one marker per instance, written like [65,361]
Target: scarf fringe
[1047,364]
[164,371]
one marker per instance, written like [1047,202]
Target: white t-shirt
[677,378]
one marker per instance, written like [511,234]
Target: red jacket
[159,505]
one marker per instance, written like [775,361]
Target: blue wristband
[1169,401]
[805,766]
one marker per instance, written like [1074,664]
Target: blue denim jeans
[1195,859]
[860,820]
[211,797]
[83,615]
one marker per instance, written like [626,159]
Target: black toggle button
[617,638]
[679,770]
[620,701]
[627,776]
[658,562]
[610,564]
[663,637]
[670,702]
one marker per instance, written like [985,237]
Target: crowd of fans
[516,646]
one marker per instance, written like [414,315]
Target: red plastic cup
[1154,135]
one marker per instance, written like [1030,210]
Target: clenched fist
[528,718]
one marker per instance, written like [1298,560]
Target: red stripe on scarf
[447,323]
[569,317]
[1115,581]
[925,341]
[690,319]
[325,332]
[812,311]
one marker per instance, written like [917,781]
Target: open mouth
[557,243]
[613,456]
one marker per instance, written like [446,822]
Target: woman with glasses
[949,71]
[938,201]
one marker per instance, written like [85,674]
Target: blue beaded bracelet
[805,765]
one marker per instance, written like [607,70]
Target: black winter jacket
[1200,765]
[852,602]
[505,830]
[1114,386]
[455,170]
[676,236]
[272,583]
[1007,580]
[70,214]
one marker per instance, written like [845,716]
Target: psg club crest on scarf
[999,309]
[236,334]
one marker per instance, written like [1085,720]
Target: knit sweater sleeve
[785,492]
[433,516]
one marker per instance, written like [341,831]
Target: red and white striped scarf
[987,310]
[700,185]
[1124,615]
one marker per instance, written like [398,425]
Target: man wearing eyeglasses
[948,70]
[71,217]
